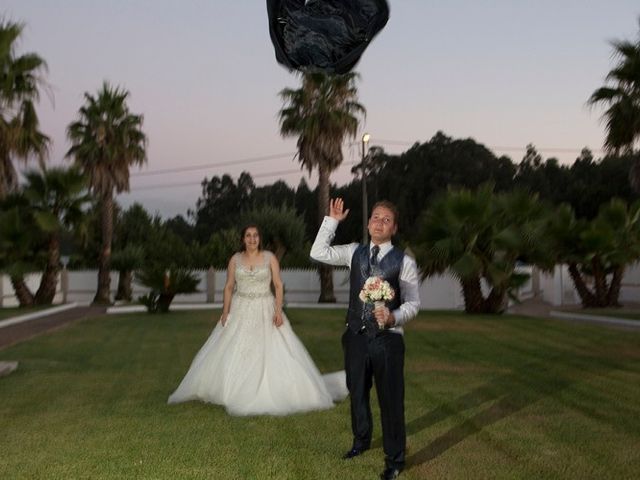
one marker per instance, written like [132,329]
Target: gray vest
[360,314]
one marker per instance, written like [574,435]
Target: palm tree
[622,97]
[133,229]
[479,236]
[597,252]
[57,198]
[20,79]
[321,114]
[20,242]
[126,261]
[165,284]
[106,141]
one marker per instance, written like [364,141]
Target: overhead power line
[188,168]
[249,160]
[192,184]
[243,161]
[257,175]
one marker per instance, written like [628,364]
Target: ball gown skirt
[253,367]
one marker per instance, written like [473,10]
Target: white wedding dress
[253,367]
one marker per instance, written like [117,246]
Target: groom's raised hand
[337,210]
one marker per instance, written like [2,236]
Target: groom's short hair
[389,206]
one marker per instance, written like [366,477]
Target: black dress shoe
[390,474]
[354,452]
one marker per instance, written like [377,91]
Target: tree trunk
[599,281]
[47,289]
[23,294]
[103,296]
[634,173]
[472,293]
[325,271]
[125,291]
[587,298]
[614,288]
[8,175]
[164,301]
[495,302]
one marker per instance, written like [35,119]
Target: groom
[373,343]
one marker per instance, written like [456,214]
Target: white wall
[630,288]
[8,298]
[303,286]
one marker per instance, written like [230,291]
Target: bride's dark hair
[244,230]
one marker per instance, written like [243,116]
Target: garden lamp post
[365,208]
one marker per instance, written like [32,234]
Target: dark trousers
[380,358]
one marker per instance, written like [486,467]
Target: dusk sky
[204,75]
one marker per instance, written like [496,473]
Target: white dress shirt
[340,255]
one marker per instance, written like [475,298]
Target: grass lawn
[9,312]
[486,398]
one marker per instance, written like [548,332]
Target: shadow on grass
[509,393]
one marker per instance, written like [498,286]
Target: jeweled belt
[253,295]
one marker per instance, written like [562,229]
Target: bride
[253,363]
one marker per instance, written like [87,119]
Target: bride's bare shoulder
[269,257]
[235,258]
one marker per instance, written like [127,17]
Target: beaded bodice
[253,281]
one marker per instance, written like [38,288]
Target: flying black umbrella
[324,35]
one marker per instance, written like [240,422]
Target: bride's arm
[277,284]
[228,290]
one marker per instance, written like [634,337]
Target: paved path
[19,332]
[7,367]
[535,307]
[601,319]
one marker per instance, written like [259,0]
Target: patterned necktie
[369,322]
[374,255]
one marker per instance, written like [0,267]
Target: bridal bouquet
[376,291]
